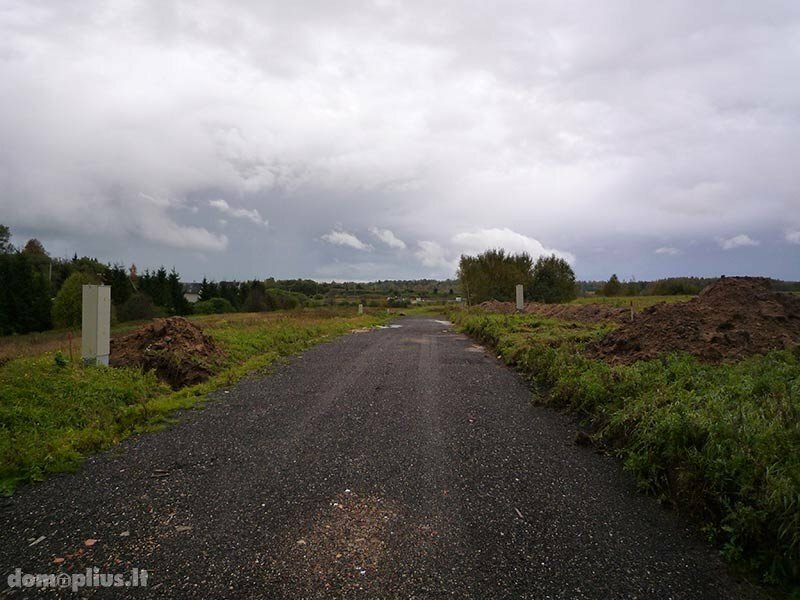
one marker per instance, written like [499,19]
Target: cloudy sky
[365,140]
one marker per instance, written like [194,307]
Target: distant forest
[40,292]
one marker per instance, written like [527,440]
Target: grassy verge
[721,442]
[53,412]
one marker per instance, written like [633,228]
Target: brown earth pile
[730,319]
[584,313]
[176,349]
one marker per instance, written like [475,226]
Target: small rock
[90,542]
[182,528]
[58,560]
[125,534]
[301,542]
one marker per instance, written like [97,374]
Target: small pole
[631,310]
[361,309]
[520,298]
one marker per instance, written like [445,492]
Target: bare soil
[584,313]
[729,320]
[176,349]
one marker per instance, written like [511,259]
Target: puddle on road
[442,322]
[389,326]
[475,348]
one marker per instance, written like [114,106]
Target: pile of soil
[730,319]
[176,349]
[583,313]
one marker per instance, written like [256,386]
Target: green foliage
[612,287]
[138,307]
[67,305]
[213,306]
[494,275]
[24,295]
[721,441]
[5,240]
[553,280]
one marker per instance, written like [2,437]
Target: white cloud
[793,237]
[343,238]
[238,213]
[474,242]
[432,255]
[667,251]
[388,237]
[443,259]
[737,241]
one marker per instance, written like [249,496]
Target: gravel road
[403,462]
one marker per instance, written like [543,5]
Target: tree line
[494,275]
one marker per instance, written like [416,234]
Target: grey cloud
[574,125]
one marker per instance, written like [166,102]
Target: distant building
[191,291]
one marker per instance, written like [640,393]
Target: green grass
[721,442]
[54,412]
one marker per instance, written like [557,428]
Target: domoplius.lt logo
[90,578]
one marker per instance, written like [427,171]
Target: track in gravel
[401,462]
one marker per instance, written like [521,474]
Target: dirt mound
[584,313]
[176,349]
[729,320]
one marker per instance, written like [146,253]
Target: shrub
[213,306]
[67,310]
[139,307]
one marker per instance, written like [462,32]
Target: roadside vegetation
[54,411]
[720,442]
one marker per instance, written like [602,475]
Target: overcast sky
[377,140]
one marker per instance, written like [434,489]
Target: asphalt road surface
[403,462]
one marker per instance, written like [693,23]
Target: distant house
[191,291]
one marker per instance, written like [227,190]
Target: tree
[213,306]
[34,247]
[121,286]
[208,290]
[553,280]
[67,305]
[178,304]
[5,240]
[24,295]
[612,287]
[138,307]
[494,275]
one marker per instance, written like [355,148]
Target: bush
[67,311]
[213,306]
[139,307]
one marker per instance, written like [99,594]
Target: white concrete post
[361,309]
[96,324]
[520,297]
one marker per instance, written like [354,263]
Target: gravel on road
[403,462]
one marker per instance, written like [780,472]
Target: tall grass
[53,411]
[721,442]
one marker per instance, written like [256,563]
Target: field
[639,302]
[719,442]
[54,411]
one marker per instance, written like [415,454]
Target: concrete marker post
[520,298]
[361,309]
[95,324]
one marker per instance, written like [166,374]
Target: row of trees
[494,274]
